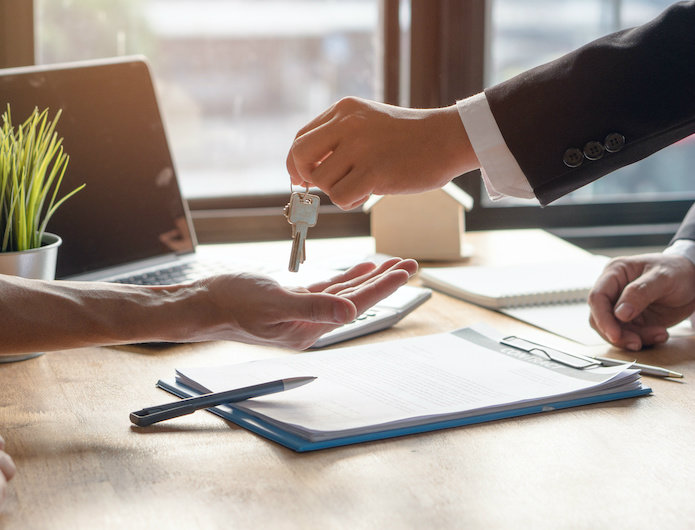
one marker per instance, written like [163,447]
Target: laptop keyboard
[178,273]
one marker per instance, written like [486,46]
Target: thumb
[320,308]
[638,295]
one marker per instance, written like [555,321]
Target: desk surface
[626,464]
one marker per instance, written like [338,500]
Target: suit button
[573,157]
[614,142]
[593,150]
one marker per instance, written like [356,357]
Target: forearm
[42,316]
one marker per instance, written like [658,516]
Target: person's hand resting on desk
[7,471]
[54,315]
[636,299]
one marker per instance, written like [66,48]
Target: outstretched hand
[358,147]
[7,471]
[256,309]
[636,299]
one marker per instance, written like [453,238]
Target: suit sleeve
[608,104]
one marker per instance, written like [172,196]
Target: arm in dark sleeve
[608,104]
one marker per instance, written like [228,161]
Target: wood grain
[64,415]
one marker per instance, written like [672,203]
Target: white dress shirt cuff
[685,248]
[501,173]
[682,247]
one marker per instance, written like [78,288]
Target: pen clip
[573,360]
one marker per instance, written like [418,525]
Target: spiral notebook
[504,286]
[550,295]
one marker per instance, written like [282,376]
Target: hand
[258,310]
[7,471]
[359,147]
[636,299]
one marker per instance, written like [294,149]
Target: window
[521,39]
[638,204]
[237,78]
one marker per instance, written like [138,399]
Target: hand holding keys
[302,212]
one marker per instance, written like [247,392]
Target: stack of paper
[389,389]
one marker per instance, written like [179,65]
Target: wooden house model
[426,226]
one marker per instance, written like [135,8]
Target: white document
[406,383]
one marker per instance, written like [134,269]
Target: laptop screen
[131,207]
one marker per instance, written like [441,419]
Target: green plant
[32,162]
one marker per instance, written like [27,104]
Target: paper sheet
[401,382]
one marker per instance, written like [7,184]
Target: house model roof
[450,189]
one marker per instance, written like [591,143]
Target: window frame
[596,225]
[447,61]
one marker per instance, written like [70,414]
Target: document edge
[301,445]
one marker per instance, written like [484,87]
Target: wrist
[682,247]
[455,150]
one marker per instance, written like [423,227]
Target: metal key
[302,213]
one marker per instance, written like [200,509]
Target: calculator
[383,315]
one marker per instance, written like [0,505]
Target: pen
[150,415]
[645,369]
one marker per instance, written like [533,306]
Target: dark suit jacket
[606,105]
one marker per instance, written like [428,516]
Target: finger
[602,318]
[625,338]
[7,466]
[357,203]
[319,120]
[602,298]
[352,189]
[612,339]
[343,288]
[332,168]
[353,272]
[313,147]
[638,295]
[319,308]
[651,335]
[295,177]
[367,295]
[354,276]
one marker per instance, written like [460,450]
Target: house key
[302,212]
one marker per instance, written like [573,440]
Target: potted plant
[32,165]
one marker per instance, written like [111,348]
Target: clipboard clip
[573,360]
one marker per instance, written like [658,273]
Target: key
[302,213]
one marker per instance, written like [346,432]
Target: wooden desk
[627,464]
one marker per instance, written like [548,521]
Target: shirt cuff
[685,248]
[501,173]
[682,247]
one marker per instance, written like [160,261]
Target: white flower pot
[37,263]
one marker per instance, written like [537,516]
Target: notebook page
[503,286]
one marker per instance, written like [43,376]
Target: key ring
[306,190]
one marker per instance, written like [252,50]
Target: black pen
[150,415]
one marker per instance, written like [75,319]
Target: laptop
[131,216]
[130,223]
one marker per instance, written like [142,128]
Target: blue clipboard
[299,444]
